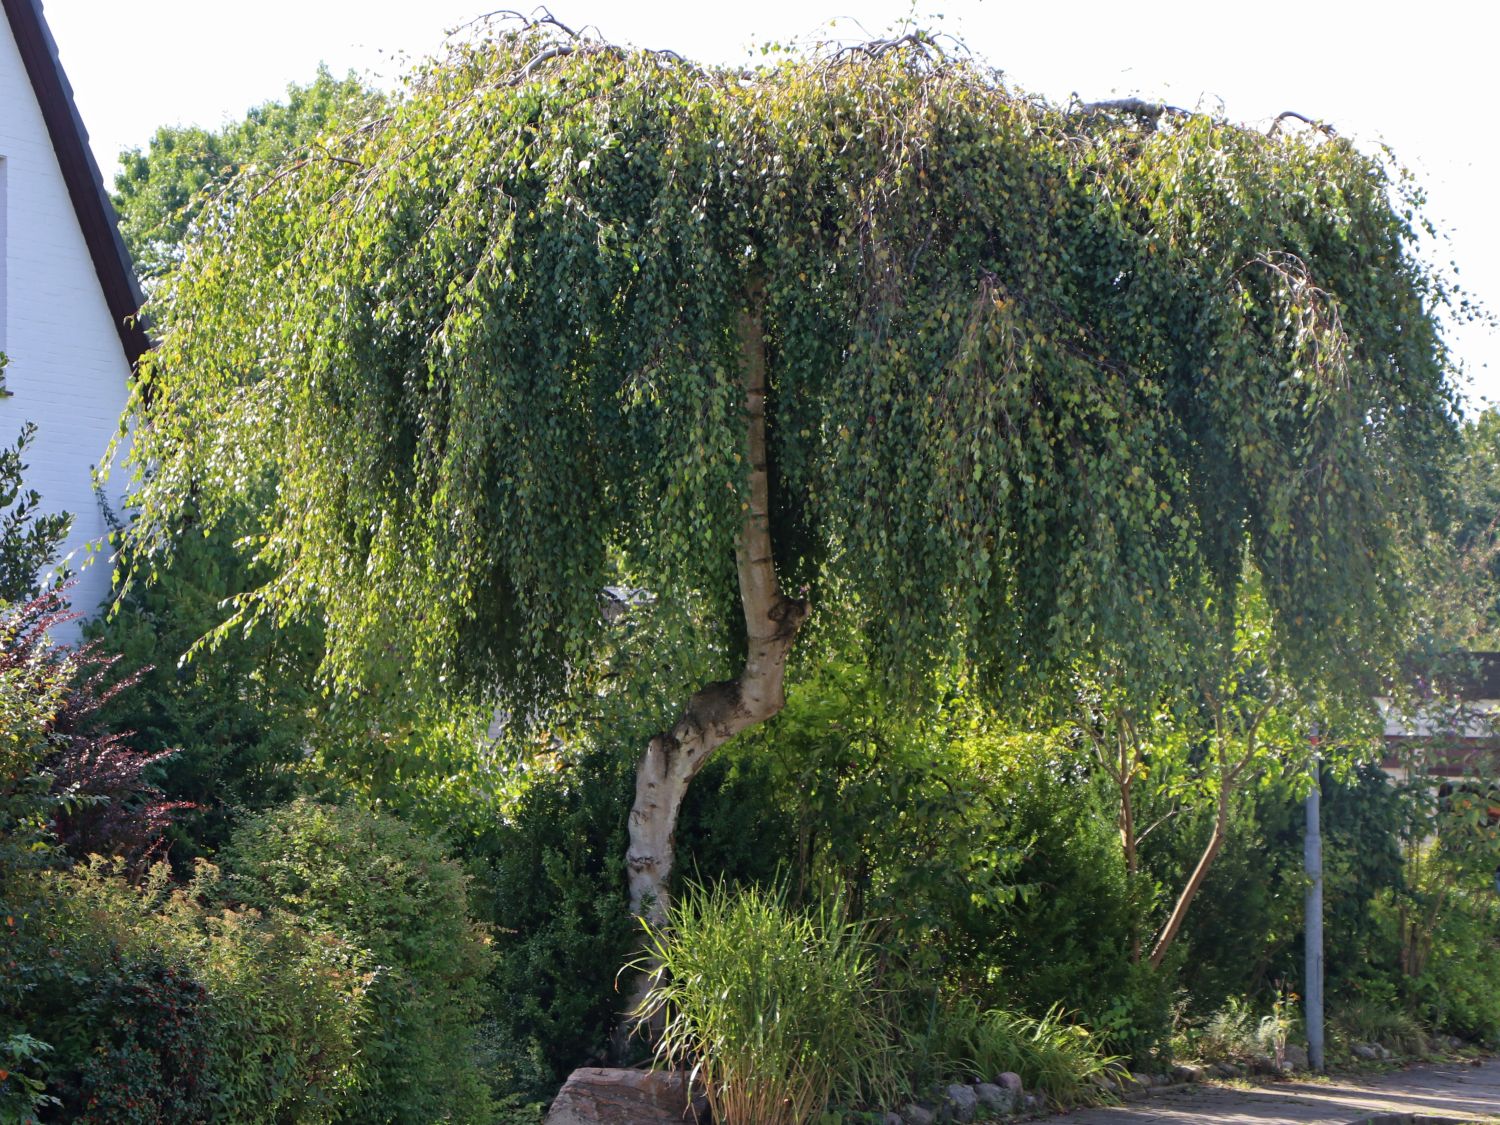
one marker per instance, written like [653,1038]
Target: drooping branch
[556,51]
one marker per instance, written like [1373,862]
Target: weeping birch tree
[869,335]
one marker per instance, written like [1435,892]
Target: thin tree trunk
[1195,881]
[1126,779]
[718,712]
[1229,779]
[1132,861]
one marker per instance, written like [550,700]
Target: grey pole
[1312,858]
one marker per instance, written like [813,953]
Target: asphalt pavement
[1424,1094]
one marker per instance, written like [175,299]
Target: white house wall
[67,370]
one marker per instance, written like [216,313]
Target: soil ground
[1444,1092]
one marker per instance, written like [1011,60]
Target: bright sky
[1418,76]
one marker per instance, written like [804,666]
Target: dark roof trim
[96,215]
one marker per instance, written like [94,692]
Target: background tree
[994,381]
[159,191]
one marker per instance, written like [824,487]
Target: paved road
[1452,1092]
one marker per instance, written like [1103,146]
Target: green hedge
[328,973]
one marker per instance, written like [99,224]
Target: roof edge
[91,203]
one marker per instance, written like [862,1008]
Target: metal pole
[1312,858]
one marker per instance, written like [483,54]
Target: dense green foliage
[1475,534]
[238,713]
[158,1006]
[369,882]
[893,812]
[1076,416]
[257,994]
[550,871]
[1068,939]
[1036,375]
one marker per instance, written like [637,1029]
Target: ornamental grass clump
[774,1009]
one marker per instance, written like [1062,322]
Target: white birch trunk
[719,711]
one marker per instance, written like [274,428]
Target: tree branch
[1133,107]
[1321,126]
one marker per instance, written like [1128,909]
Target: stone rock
[1033,1103]
[891,1117]
[1226,1070]
[964,1101]
[1295,1056]
[914,1114]
[1140,1081]
[1009,1080]
[1184,1072]
[606,1096]
[1365,1051]
[996,1099]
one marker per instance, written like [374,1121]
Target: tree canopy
[159,191]
[1035,373]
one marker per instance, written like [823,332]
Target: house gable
[67,293]
[96,216]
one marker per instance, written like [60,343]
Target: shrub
[1386,1023]
[1068,940]
[893,810]
[154,1007]
[1458,988]
[238,712]
[1231,1033]
[1050,1054]
[365,880]
[64,777]
[776,1008]
[334,976]
[551,872]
